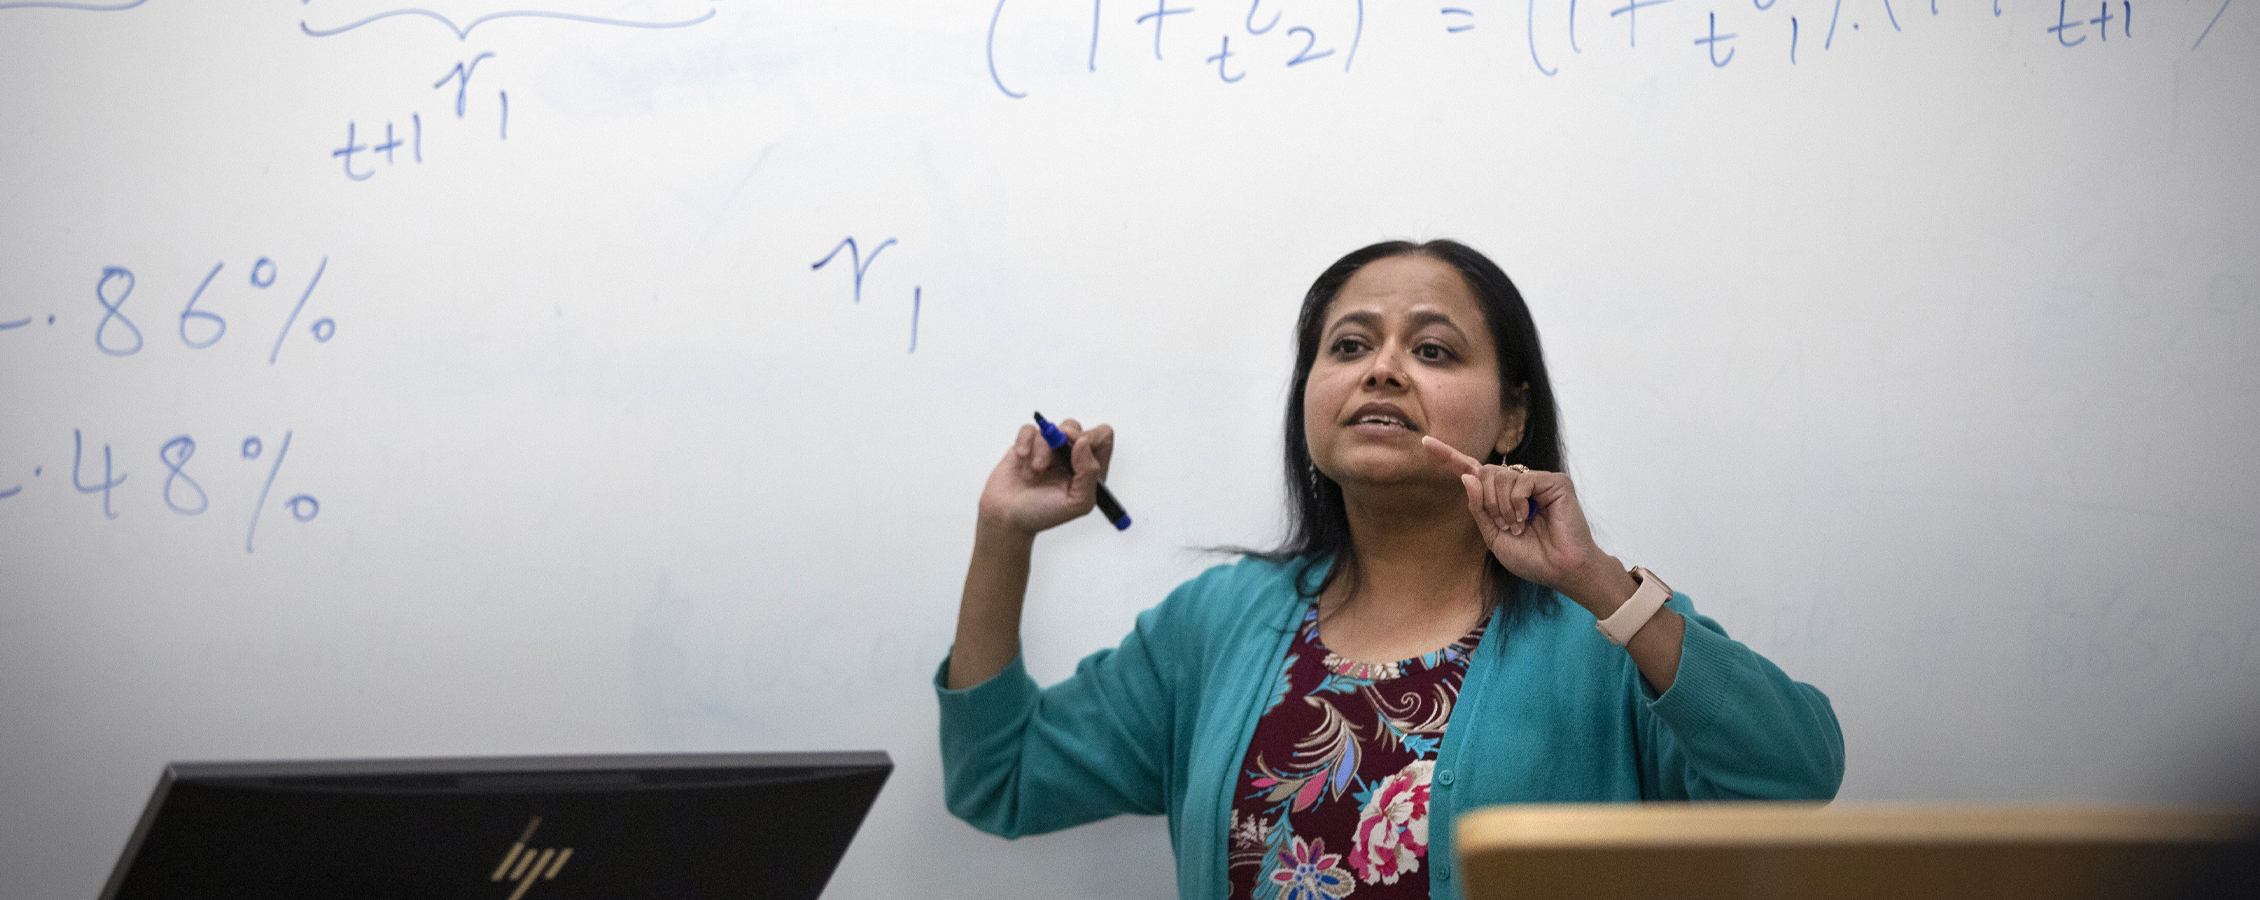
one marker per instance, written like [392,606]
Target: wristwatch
[1621,625]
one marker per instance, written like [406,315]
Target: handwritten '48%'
[181,490]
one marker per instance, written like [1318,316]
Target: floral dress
[1333,794]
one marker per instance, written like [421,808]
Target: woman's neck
[1418,577]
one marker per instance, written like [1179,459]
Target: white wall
[1926,361]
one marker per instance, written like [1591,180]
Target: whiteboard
[496,377]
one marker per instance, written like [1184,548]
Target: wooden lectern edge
[1745,823]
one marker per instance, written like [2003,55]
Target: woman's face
[1403,352]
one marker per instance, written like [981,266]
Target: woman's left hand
[1552,546]
[1532,523]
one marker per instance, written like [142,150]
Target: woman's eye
[1433,352]
[1348,345]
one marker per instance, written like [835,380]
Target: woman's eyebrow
[1367,318]
[1418,320]
[1426,318]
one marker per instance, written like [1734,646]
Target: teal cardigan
[1550,712]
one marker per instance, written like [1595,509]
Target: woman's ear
[1511,423]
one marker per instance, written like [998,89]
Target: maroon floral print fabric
[1333,795]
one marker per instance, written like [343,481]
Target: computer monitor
[681,826]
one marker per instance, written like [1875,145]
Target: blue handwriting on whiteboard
[1713,42]
[992,48]
[181,491]
[1266,33]
[323,329]
[18,489]
[390,146]
[2209,23]
[82,7]
[2102,21]
[113,312]
[19,323]
[115,333]
[102,486]
[862,264]
[1300,43]
[1531,31]
[463,32]
[855,258]
[461,75]
[1223,56]
[1267,26]
[175,455]
[394,148]
[302,507]
[1160,14]
[1631,13]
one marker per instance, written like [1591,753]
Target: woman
[1312,719]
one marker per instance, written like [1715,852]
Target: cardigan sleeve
[1733,726]
[1020,760]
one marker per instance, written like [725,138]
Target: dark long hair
[1318,525]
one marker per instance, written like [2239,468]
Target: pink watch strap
[1621,625]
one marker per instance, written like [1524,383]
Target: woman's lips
[1381,419]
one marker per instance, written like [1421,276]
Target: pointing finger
[1449,457]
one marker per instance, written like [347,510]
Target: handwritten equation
[199,322]
[1329,37]
[179,489]
[363,154]
[1277,37]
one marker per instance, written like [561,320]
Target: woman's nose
[1385,369]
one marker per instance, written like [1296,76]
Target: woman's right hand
[1028,493]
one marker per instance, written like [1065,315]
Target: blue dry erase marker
[1108,506]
